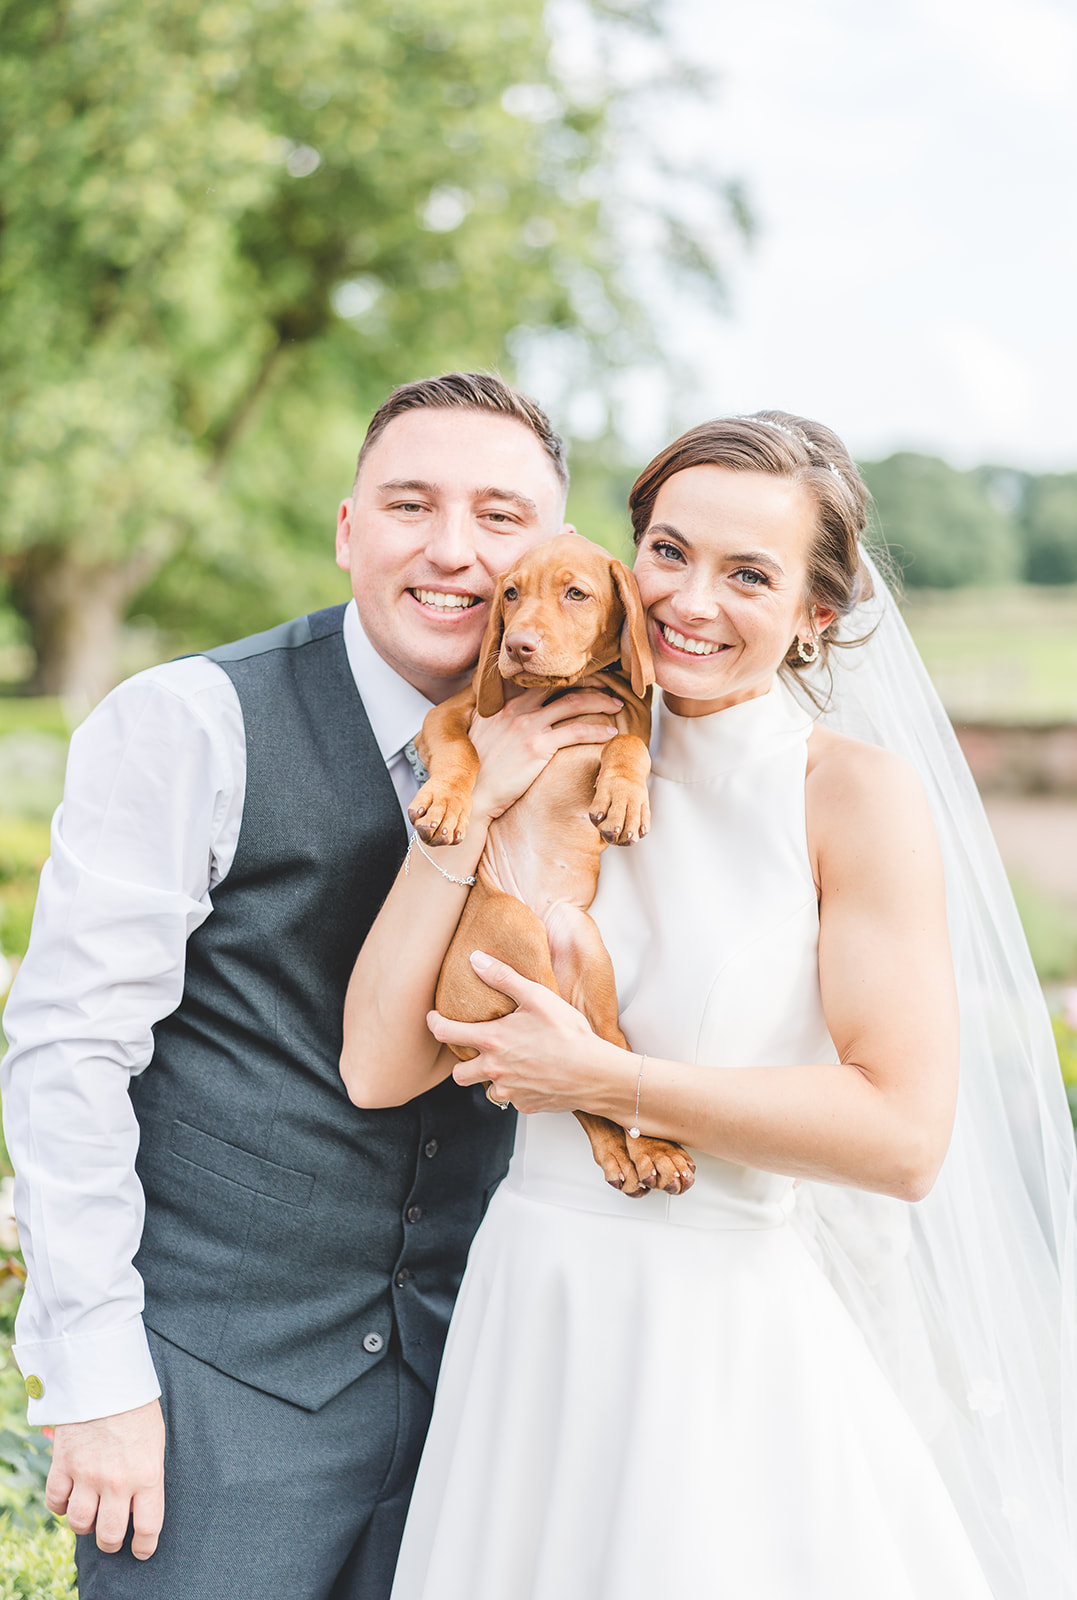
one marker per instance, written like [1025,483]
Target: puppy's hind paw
[662,1165]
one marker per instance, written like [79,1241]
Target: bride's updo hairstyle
[786,447]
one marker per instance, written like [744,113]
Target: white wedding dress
[665,1395]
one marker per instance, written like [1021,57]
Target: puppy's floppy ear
[487,684]
[636,662]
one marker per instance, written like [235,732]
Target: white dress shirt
[148,827]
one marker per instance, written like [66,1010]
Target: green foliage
[598,501]
[942,526]
[1050,928]
[25,1452]
[1066,1040]
[39,1565]
[1049,528]
[24,845]
[33,751]
[24,1466]
[227,229]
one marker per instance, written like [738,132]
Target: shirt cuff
[86,1376]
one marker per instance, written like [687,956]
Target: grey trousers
[266,1501]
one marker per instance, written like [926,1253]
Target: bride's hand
[542,1057]
[515,744]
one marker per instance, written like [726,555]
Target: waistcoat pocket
[240,1166]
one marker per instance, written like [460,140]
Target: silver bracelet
[465,883]
[633,1131]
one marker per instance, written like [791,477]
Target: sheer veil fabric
[969,1298]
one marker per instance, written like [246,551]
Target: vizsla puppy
[567,616]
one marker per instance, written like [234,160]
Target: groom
[230,826]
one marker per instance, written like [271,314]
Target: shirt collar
[395,708]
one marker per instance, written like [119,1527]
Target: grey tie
[414,761]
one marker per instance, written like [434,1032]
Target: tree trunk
[75,614]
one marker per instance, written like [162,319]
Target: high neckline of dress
[689,749]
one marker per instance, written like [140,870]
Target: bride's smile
[722,569]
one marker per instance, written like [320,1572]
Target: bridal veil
[969,1297]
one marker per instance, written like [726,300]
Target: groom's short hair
[469,391]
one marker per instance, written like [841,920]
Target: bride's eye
[753,578]
[668,552]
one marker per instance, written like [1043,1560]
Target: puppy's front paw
[440,813]
[620,811]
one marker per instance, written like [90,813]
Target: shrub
[942,526]
[37,1565]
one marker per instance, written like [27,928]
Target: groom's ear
[636,662]
[487,683]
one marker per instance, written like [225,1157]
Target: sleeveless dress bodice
[668,1390]
[731,978]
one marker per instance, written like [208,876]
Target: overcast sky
[913,167]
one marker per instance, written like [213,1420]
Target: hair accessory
[633,1131]
[801,438]
[808,650]
[465,883]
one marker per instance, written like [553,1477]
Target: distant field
[1000,655]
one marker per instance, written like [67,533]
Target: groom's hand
[108,1473]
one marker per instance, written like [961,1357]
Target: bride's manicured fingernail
[480,960]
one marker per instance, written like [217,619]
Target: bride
[835,1368]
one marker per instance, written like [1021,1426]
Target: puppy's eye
[577,594]
[509,593]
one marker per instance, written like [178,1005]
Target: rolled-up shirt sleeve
[148,825]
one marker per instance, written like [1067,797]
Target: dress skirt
[632,1408]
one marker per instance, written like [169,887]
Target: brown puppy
[566,616]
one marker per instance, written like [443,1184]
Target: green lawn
[1000,655]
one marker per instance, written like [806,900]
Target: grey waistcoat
[288,1234]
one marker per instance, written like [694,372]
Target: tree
[226,227]
[1048,520]
[942,526]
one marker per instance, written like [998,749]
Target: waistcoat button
[430,1148]
[402,1277]
[413,1213]
[373,1342]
